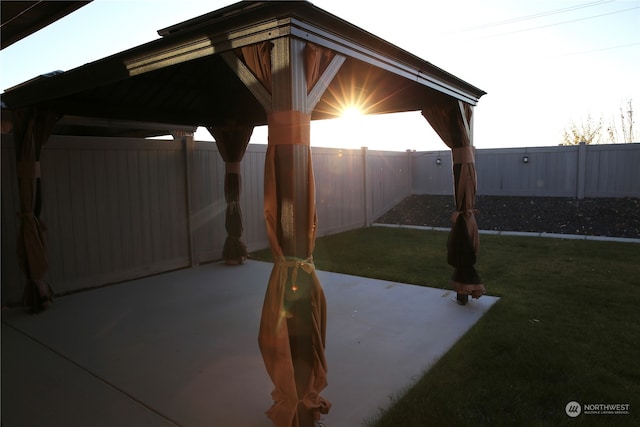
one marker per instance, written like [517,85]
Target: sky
[544,64]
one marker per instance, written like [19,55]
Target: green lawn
[567,327]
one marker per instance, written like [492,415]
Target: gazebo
[280,64]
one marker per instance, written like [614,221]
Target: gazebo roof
[183,79]
[23,18]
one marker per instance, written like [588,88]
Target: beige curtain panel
[257,57]
[232,141]
[317,59]
[293,323]
[451,119]
[32,129]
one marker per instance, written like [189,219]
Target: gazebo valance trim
[207,45]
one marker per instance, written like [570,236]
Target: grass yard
[567,327]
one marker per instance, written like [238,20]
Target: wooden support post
[188,143]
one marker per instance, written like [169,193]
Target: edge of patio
[181,348]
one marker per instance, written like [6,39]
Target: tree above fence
[620,129]
[626,133]
[588,131]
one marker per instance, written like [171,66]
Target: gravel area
[595,217]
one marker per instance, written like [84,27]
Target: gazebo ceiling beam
[70,120]
[134,112]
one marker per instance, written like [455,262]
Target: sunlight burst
[351,112]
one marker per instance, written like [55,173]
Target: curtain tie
[306,265]
[232,167]
[463,154]
[455,214]
[289,128]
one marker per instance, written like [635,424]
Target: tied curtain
[32,129]
[451,120]
[292,330]
[232,141]
[293,323]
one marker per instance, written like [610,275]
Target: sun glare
[351,112]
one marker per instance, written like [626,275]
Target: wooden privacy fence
[560,171]
[117,209]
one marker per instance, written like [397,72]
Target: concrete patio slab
[181,349]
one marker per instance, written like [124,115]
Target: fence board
[116,210]
[609,171]
[339,189]
[429,177]
[389,180]
[209,204]
[613,171]
[252,197]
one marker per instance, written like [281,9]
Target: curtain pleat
[32,129]
[317,59]
[293,322]
[293,319]
[257,57]
[232,141]
[451,120]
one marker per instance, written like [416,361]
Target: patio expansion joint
[93,374]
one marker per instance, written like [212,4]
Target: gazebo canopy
[184,79]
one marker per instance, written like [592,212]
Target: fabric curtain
[232,141]
[32,128]
[257,57]
[451,120]
[293,322]
[317,59]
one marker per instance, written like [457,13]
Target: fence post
[188,142]
[410,171]
[582,172]
[365,169]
